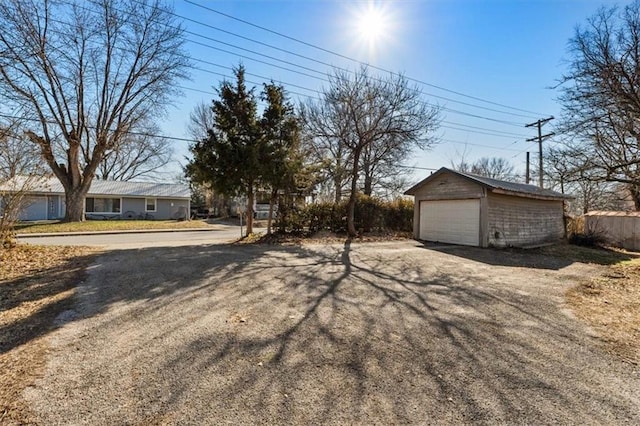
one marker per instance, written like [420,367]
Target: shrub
[399,215]
[578,235]
[371,214]
[588,238]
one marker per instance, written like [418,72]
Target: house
[45,200]
[461,208]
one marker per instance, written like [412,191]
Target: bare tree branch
[90,72]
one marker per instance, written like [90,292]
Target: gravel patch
[381,333]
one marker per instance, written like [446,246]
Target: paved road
[221,234]
[387,333]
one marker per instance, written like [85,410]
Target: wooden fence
[621,229]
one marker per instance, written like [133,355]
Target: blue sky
[507,52]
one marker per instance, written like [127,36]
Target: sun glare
[373,26]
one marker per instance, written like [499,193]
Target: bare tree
[494,167]
[491,167]
[20,170]
[568,170]
[381,163]
[138,154]
[89,72]
[324,135]
[358,110]
[201,120]
[601,97]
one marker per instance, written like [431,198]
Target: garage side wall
[520,222]
[443,187]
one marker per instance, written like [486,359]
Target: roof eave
[529,195]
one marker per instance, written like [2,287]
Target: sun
[372,24]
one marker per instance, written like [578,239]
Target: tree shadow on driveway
[353,333]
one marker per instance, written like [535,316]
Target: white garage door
[451,221]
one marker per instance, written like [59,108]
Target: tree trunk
[250,209]
[338,190]
[75,205]
[634,190]
[351,207]
[274,194]
[368,184]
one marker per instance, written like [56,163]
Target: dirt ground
[36,285]
[355,333]
[610,303]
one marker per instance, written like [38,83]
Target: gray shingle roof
[515,188]
[118,188]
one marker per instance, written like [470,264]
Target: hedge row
[371,214]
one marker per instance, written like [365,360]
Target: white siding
[451,221]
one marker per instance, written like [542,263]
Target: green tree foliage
[281,156]
[229,159]
[245,152]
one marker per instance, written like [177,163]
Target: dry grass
[324,237]
[107,225]
[597,255]
[36,284]
[610,304]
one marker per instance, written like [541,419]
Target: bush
[371,214]
[579,236]
[399,215]
[588,238]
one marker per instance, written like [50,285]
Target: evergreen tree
[229,158]
[281,157]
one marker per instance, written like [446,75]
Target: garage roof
[495,185]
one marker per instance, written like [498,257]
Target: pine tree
[229,159]
[281,158]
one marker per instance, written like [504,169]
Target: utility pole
[528,173]
[540,138]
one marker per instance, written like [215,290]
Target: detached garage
[461,208]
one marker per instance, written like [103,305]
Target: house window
[102,205]
[150,204]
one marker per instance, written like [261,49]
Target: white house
[110,200]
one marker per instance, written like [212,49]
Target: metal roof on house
[495,184]
[113,188]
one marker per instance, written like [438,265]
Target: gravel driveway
[381,333]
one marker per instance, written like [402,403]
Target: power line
[324,63]
[348,58]
[263,62]
[302,67]
[510,134]
[484,131]
[478,145]
[476,132]
[128,132]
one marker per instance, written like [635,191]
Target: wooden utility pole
[540,138]
[528,173]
